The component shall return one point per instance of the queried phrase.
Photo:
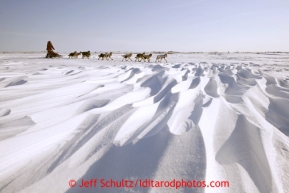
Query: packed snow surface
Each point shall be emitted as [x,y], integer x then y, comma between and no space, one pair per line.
[196,117]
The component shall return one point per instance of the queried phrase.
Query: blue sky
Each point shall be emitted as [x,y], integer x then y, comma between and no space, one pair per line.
[151,25]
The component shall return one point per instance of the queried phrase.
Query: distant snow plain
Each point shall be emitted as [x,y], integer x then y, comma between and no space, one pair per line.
[196,117]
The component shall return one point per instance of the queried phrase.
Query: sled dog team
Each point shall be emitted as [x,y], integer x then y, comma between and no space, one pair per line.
[144,57]
[75,54]
[139,57]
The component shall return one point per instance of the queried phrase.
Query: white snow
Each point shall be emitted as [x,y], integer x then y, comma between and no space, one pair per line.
[197,117]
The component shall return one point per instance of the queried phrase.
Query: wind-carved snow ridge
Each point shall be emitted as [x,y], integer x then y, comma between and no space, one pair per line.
[198,117]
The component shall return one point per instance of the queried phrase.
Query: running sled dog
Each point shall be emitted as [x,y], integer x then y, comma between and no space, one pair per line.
[85,54]
[107,56]
[74,54]
[146,57]
[127,57]
[139,56]
[160,57]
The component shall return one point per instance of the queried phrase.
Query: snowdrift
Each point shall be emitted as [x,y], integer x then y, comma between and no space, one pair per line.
[197,117]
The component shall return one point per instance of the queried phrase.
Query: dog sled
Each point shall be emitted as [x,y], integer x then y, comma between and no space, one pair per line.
[53,55]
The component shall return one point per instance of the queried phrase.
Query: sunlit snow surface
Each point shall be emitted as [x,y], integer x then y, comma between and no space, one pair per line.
[195,117]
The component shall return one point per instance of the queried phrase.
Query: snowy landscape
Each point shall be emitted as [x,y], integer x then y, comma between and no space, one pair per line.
[204,117]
